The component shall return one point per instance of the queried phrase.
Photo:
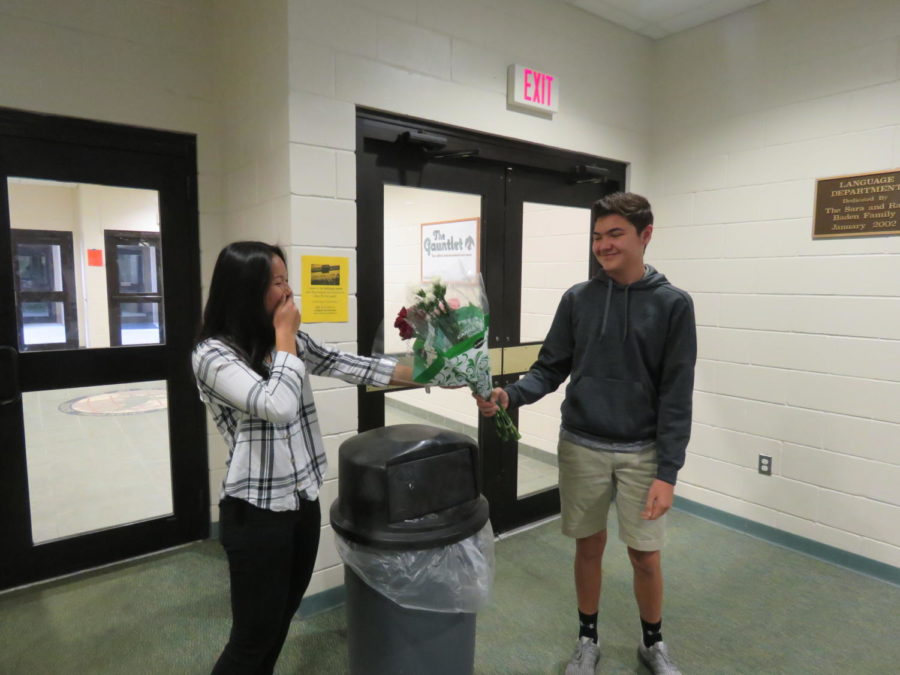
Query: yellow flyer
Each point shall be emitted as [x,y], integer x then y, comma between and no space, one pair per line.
[325,289]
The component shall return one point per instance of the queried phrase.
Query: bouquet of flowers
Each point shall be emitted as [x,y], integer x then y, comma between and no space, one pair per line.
[450,345]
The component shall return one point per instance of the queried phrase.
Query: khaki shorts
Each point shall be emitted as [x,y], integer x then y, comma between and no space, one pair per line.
[590,480]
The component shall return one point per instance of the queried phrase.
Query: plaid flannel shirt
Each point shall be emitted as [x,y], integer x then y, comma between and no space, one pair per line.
[276,451]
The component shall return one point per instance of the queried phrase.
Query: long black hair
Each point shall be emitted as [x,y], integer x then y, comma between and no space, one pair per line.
[235,312]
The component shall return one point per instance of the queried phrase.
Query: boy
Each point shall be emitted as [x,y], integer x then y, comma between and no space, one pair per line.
[628,340]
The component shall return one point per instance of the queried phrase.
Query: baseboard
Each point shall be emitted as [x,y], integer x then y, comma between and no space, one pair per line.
[831,554]
[312,604]
[322,602]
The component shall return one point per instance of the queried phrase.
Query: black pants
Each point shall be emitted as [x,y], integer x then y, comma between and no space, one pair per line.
[271,555]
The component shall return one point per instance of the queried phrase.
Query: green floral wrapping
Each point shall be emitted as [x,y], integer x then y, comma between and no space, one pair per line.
[451,347]
[454,352]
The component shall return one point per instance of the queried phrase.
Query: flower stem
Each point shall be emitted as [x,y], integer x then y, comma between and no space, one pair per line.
[505,427]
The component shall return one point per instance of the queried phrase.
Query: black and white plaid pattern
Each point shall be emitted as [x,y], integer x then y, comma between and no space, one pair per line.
[276,452]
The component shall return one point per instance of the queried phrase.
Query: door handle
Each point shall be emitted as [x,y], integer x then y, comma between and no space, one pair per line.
[9,384]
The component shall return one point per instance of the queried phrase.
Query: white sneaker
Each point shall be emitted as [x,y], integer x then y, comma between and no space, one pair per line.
[657,659]
[584,658]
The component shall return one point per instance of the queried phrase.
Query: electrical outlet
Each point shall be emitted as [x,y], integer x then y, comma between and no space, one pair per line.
[765,465]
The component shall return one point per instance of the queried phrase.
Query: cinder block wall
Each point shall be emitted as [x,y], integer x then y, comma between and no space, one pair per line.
[134,62]
[799,339]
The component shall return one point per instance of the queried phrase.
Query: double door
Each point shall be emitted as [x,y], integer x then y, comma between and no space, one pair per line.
[527,210]
[102,436]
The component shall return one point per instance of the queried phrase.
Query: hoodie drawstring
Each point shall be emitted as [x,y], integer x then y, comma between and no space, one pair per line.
[606,308]
[609,288]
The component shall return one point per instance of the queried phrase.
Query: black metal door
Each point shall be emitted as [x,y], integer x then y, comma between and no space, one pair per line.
[504,181]
[102,447]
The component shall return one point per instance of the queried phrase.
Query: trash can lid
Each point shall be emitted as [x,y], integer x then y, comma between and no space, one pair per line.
[408,486]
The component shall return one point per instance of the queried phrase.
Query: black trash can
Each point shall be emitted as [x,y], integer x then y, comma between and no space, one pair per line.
[409,497]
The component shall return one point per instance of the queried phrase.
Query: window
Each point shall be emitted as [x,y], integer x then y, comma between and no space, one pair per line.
[46,313]
[134,288]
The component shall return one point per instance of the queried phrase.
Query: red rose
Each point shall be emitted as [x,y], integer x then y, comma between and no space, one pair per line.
[406,329]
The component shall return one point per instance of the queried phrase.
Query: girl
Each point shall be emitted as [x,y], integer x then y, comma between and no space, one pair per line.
[252,365]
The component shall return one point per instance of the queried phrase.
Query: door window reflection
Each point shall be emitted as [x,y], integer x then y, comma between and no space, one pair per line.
[88,265]
[555,256]
[45,289]
[405,210]
[139,323]
[137,266]
[39,266]
[134,288]
[43,323]
[98,457]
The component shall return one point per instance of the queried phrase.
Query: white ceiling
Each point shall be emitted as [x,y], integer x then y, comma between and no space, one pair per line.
[658,18]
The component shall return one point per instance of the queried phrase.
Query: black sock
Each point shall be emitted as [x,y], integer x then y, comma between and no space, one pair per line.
[652,632]
[588,627]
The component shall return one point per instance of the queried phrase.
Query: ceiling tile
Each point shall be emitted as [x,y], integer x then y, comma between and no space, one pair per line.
[658,18]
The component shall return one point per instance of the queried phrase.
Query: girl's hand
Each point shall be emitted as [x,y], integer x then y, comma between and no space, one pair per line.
[286,321]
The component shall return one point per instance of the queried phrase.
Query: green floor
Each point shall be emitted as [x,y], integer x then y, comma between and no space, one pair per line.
[734,604]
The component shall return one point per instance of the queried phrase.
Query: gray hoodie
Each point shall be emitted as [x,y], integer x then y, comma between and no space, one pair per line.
[630,351]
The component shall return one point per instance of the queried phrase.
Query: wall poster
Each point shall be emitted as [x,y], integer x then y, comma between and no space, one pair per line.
[325,284]
[450,249]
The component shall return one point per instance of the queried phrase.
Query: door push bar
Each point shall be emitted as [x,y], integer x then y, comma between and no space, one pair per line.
[9,381]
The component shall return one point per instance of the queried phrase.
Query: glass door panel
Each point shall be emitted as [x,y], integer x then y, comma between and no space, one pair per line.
[95,279]
[139,323]
[43,324]
[46,310]
[406,209]
[555,245]
[98,457]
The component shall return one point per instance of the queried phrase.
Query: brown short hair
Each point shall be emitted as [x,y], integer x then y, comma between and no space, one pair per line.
[632,207]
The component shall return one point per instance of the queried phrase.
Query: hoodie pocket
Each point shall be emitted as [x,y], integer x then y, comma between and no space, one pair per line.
[615,409]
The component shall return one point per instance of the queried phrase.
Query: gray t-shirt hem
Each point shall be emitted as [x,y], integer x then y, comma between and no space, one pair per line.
[606,445]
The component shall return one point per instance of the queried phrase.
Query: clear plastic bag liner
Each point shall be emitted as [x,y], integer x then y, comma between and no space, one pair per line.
[453,578]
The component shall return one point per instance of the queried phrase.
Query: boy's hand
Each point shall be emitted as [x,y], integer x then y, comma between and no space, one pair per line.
[659,499]
[489,407]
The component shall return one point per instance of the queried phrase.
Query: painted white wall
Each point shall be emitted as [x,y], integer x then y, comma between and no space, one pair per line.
[140,62]
[799,340]
[247,48]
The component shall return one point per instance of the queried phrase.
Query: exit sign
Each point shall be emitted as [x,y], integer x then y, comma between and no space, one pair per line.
[532,89]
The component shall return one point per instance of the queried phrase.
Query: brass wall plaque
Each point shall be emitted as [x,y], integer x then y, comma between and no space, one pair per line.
[857,206]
